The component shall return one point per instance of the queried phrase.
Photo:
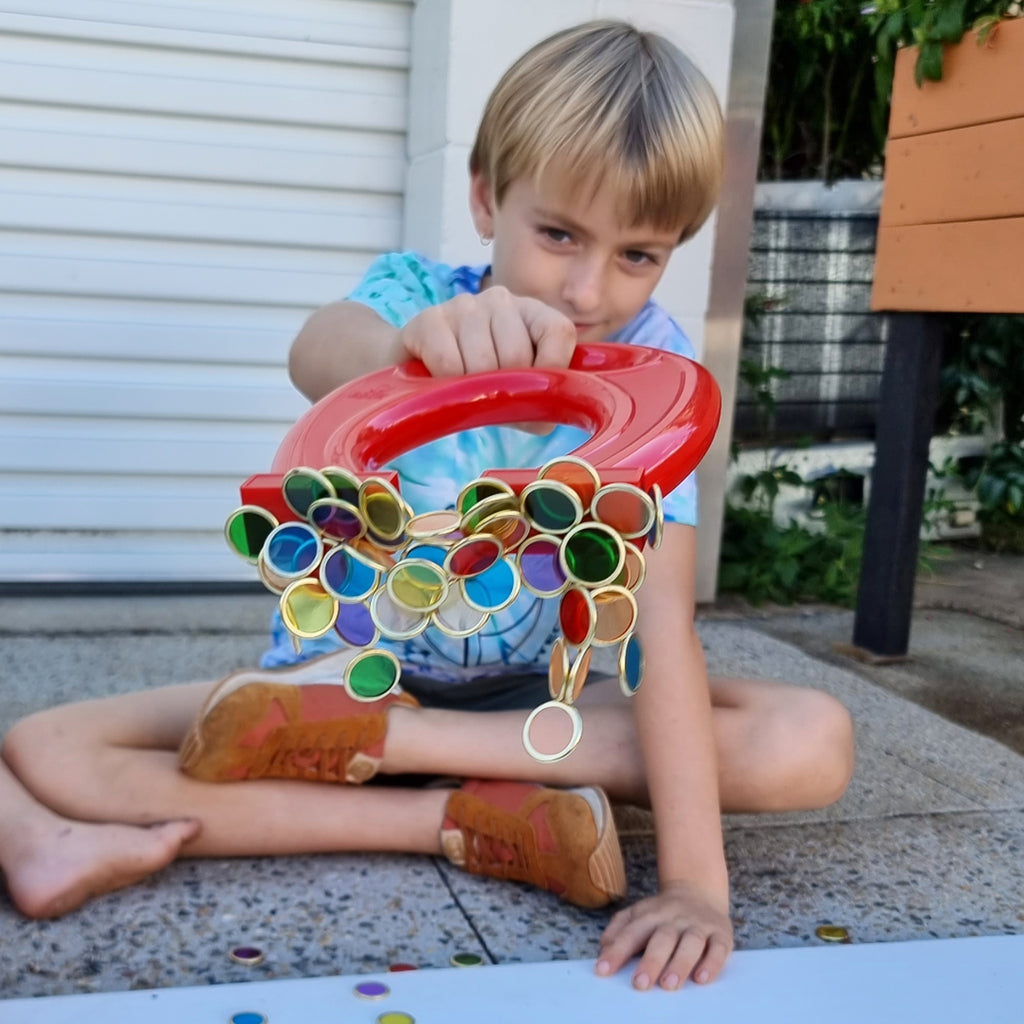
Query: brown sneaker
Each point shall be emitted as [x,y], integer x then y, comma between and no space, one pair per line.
[563,840]
[288,724]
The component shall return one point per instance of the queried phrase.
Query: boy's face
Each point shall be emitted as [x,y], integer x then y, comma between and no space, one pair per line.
[570,247]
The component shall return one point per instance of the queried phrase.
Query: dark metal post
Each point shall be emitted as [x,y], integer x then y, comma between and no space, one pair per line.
[910,384]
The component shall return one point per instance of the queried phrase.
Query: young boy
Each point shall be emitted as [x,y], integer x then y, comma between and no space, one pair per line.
[598,153]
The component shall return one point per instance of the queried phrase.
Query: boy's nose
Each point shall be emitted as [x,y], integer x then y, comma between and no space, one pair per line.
[583,287]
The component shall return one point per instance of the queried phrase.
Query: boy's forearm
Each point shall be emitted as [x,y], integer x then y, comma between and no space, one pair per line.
[674,725]
[338,343]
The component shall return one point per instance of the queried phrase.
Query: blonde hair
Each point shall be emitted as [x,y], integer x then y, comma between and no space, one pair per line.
[606,103]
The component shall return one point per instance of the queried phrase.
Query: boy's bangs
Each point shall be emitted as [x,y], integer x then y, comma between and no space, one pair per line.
[664,191]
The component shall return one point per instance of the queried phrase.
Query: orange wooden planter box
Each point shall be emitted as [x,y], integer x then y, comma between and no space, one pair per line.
[951,229]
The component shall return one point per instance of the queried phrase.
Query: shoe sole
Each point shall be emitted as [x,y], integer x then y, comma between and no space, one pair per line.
[606,868]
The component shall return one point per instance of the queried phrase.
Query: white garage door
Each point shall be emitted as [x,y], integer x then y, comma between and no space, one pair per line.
[180,185]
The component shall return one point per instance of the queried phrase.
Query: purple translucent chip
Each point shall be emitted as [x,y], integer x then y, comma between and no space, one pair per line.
[371,990]
[355,625]
[538,564]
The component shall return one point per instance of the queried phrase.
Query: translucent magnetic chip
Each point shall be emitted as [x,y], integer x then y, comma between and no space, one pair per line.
[307,610]
[302,486]
[371,675]
[626,509]
[545,743]
[247,530]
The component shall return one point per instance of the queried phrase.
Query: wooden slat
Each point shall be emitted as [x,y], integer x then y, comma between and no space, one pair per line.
[972,173]
[967,94]
[962,267]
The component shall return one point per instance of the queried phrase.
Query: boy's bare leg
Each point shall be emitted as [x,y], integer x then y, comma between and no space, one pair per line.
[115,760]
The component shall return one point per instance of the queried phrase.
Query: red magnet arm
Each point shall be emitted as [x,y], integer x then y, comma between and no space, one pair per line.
[652,415]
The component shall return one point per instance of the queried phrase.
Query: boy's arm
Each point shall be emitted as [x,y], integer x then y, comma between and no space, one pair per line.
[685,928]
[338,343]
[468,333]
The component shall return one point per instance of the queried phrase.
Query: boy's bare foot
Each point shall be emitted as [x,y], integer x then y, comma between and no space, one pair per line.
[54,866]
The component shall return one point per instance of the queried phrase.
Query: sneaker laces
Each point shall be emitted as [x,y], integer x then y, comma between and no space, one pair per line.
[496,843]
[316,751]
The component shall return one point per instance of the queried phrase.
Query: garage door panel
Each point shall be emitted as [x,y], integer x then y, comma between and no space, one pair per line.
[360,24]
[107,502]
[69,387]
[171,332]
[63,451]
[164,147]
[143,209]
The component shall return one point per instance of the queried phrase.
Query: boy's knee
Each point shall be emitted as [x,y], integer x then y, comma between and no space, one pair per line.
[827,729]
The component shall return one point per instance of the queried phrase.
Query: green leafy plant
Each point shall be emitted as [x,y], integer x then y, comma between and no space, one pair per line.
[983,387]
[821,115]
[931,26]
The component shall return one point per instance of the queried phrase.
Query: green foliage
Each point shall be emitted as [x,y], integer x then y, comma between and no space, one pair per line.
[767,562]
[830,74]
[983,381]
[821,116]
[931,25]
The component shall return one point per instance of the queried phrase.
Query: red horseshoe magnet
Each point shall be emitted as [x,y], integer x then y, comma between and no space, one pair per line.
[652,416]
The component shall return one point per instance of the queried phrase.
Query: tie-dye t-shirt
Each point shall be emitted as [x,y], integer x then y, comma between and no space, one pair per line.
[518,639]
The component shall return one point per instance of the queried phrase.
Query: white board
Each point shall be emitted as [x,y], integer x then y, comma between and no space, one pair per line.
[947,981]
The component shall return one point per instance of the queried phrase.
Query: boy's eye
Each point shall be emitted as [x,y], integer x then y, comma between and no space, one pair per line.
[638,258]
[556,234]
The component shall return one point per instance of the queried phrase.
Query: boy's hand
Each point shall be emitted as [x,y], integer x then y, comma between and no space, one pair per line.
[490,331]
[679,932]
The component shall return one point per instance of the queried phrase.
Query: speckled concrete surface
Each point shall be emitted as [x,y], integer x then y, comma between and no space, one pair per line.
[927,842]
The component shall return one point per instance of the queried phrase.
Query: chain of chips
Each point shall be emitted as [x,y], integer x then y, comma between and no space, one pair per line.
[357,561]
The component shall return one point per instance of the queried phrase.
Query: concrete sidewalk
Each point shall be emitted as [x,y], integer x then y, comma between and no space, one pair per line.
[928,841]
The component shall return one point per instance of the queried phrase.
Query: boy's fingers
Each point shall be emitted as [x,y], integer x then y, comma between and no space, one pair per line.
[662,946]
[553,335]
[431,340]
[626,944]
[687,954]
[476,341]
[511,339]
[711,965]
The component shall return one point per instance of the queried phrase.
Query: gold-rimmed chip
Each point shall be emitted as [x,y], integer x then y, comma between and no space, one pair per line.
[569,746]
[457,618]
[473,516]
[540,566]
[578,672]
[302,485]
[478,490]
[634,567]
[307,609]
[417,585]
[344,482]
[625,508]
[509,526]
[394,622]
[592,554]
[575,473]
[550,506]
[616,614]
[577,616]
[384,510]
[558,668]
[433,525]
[247,529]
[631,665]
[658,530]
[494,589]
[337,519]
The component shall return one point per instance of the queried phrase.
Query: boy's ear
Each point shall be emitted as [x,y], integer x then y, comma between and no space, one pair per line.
[481,204]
